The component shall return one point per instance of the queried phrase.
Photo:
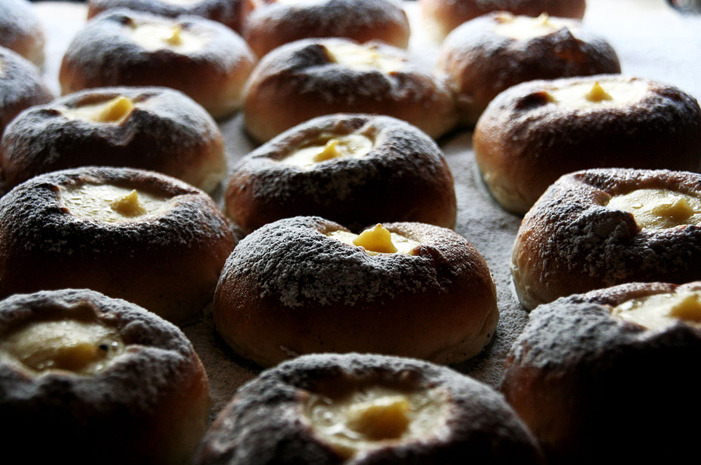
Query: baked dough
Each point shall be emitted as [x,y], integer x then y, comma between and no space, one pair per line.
[21,30]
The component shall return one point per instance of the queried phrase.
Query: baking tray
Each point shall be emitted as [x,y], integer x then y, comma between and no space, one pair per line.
[652,41]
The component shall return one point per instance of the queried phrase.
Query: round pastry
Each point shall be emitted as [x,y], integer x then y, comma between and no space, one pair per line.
[21,31]
[97,380]
[535,132]
[366,409]
[598,228]
[606,373]
[277,22]
[153,128]
[353,169]
[487,55]
[133,234]
[231,13]
[21,86]
[306,285]
[205,60]
[314,77]
[442,16]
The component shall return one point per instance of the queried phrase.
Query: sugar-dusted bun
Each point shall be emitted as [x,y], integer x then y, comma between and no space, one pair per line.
[201,58]
[358,409]
[537,131]
[21,86]
[301,285]
[314,77]
[350,168]
[88,379]
[598,228]
[276,22]
[487,55]
[152,128]
[603,373]
[133,234]
[231,13]
[21,30]
[442,16]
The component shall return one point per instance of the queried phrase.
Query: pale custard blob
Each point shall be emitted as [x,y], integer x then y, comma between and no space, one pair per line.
[81,347]
[330,148]
[2,68]
[659,208]
[112,204]
[612,93]
[519,27]
[375,416]
[659,311]
[154,36]
[377,240]
[115,110]
[363,58]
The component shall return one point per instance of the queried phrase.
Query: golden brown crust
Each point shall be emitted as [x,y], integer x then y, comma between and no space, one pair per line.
[404,178]
[231,13]
[524,142]
[167,263]
[442,16]
[21,31]
[289,289]
[150,406]
[480,63]
[570,242]
[272,24]
[21,86]
[263,424]
[299,81]
[165,132]
[589,385]
[104,54]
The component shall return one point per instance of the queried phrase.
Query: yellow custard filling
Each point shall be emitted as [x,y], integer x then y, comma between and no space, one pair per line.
[659,208]
[330,148]
[661,310]
[81,347]
[112,204]
[375,416]
[377,240]
[583,95]
[519,27]
[166,35]
[115,110]
[363,58]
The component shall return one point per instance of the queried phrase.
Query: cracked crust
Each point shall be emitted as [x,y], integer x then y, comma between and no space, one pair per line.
[154,393]
[589,385]
[168,263]
[404,178]
[569,242]
[299,81]
[166,132]
[263,424]
[523,142]
[272,24]
[289,289]
[103,54]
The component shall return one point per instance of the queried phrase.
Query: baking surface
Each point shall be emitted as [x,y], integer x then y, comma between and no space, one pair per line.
[651,40]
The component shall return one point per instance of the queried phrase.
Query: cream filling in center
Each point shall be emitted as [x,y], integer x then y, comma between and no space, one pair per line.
[115,110]
[172,36]
[70,345]
[519,27]
[661,310]
[659,208]
[330,148]
[589,94]
[363,58]
[112,204]
[374,417]
[377,240]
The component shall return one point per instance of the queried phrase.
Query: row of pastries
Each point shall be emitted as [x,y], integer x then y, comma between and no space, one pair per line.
[328,256]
